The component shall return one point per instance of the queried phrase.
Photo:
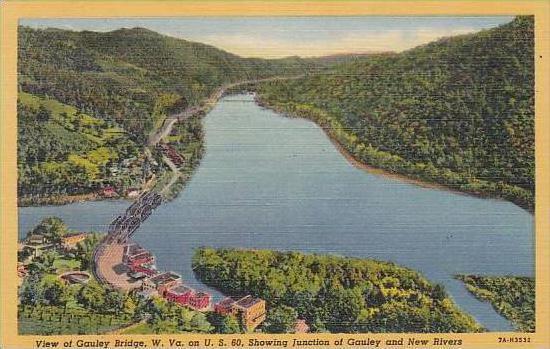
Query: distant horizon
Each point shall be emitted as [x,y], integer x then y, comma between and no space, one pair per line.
[280,37]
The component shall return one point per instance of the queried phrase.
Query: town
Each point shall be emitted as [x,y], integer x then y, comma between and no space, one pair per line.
[139,275]
[170,286]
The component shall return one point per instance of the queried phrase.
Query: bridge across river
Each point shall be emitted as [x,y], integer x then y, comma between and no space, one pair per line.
[108,267]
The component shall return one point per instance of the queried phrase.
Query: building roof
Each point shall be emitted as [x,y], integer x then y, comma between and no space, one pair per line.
[226,302]
[163,278]
[247,302]
[180,290]
[201,294]
[143,254]
[133,250]
[138,275]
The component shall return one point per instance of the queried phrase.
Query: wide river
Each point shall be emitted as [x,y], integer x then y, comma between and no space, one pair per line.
[267,181]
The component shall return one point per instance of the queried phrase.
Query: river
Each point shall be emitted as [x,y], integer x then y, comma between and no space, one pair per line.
[267,181]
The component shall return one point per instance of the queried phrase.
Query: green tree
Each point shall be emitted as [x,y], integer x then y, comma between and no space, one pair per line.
[43,114]
[281,319]
[53,229]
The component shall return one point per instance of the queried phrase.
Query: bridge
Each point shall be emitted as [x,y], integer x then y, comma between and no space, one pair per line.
[108,268]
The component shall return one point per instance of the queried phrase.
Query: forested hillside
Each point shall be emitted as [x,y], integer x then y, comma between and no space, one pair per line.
[121,75]
[512,296]
[62,151]
[77,87]
[335,294]
[459,111]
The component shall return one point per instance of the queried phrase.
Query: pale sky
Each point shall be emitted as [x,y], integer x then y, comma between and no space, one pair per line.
[275,37]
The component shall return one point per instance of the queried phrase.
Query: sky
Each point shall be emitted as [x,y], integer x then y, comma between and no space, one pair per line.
[276,37]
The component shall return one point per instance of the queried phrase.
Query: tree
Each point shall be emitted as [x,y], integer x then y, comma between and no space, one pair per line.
[129,306]
[114,302]
[199,323]
[43,114]
[31,291]
[224,323]
[281,319]
[92,296]
[52,228]
[55,292]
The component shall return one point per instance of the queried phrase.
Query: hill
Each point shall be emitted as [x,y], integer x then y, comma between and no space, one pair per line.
[62,151]
[121,75]
[129,79]
[458,111]
[335,294]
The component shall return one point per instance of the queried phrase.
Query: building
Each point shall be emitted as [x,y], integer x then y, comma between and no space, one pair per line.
[36,239]
[225,307]
[70,240]
[22,270]
[134,255]
[179,294]
[162,282]
[250,310]
[108,192]
[147,293]
[200,301]
[300,326]
[146,269]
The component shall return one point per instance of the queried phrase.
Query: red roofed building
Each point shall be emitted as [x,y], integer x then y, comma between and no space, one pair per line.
[162,282]
[147,269]
[199,301]
[109,192]
[179,294]
[225,307]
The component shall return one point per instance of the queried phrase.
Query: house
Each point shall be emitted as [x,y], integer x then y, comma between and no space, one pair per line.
[200,301]
[22,270]
[300,326]
[252,311]
[108,192]
[69,241]
[146,269]
[162,282]
[134,254]
[225,307]
[132,193]
[36,239]
[179,294]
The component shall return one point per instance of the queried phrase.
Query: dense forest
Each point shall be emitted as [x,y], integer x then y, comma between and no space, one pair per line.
[458,111]
[122,75]
[513,297]
[62,151]
[128,81]
[334,294]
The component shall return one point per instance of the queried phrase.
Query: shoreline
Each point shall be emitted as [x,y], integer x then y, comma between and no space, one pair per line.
[60,200]
[381,172]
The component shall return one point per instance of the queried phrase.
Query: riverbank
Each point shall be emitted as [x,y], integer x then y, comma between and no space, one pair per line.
[58,199]
[377,162]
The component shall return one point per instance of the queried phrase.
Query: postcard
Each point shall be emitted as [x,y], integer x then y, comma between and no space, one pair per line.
[250,174]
